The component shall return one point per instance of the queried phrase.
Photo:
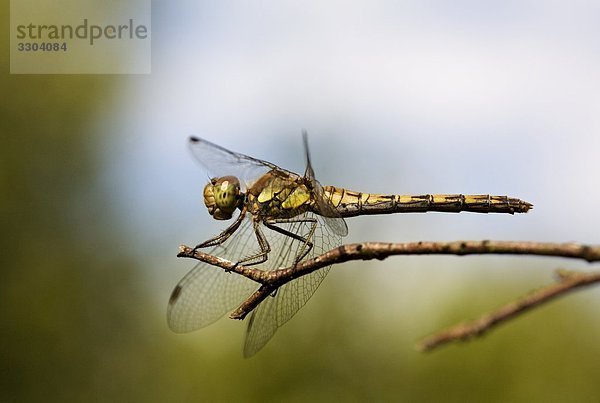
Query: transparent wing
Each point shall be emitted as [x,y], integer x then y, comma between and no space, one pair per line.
[331,216]
[207,292]
[219,161]
[277,310]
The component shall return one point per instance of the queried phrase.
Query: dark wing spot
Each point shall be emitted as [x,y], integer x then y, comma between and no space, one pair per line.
[175,295]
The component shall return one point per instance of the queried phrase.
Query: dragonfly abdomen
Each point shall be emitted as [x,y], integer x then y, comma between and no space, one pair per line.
[350,203]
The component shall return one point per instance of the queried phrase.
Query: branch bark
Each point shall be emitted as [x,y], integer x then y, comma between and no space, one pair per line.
[272,280]
[567,282]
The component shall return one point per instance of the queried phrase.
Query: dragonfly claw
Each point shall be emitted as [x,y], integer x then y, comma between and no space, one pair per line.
[235,266]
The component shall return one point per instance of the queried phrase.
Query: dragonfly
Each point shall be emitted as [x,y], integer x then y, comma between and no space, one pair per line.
[283,218]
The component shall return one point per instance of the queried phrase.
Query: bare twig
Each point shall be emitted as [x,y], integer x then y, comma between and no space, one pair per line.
[567,281]
[272,280]
[381,250]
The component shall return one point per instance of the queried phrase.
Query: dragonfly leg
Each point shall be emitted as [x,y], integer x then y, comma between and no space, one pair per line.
[307,244]
[223,236]
[265,249]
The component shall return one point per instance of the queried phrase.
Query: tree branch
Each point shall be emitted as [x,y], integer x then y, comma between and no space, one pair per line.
[567,281]
[381,250]
[272,280]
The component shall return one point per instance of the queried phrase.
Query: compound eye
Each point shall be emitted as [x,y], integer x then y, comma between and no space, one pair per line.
[209,198]
[222,196]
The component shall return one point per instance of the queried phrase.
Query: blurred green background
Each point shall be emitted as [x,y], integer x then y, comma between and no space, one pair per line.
[88,254]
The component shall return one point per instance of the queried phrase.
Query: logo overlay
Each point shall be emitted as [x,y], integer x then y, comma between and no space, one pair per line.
[80,37]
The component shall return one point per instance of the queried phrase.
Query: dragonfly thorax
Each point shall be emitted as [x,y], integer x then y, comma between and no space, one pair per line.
[222,196]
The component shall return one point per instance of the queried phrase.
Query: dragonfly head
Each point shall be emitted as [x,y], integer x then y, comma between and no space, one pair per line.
[222,196]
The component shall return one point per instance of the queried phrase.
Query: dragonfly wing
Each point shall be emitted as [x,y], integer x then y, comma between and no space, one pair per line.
[276,310]
[332,217]
[207,292]
[219,161]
